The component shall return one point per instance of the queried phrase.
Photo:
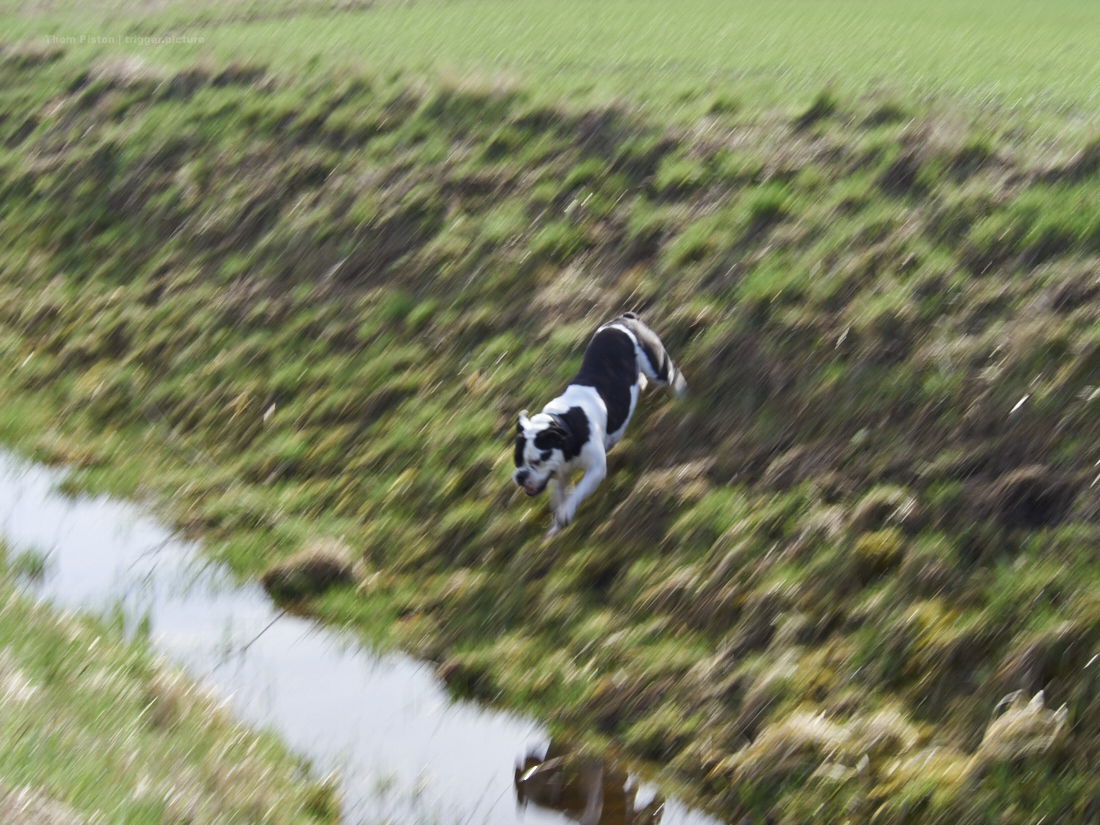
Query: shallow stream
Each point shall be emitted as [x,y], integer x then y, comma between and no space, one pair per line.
[403,750]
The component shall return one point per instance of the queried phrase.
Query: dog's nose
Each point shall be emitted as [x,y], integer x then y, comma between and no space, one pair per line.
[521,477]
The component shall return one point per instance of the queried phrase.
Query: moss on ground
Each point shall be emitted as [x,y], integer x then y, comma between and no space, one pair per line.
[292,311]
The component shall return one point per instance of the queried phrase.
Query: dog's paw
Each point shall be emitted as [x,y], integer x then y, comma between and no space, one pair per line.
[553,531]
[563,515]
[680,386]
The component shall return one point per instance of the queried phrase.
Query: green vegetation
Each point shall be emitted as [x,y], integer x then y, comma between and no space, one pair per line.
[95,729]
[683,56]
[300,309]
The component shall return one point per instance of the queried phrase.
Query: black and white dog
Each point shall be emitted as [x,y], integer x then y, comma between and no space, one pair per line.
[576,429]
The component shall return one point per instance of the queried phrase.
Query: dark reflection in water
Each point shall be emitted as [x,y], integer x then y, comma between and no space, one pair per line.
[583,787]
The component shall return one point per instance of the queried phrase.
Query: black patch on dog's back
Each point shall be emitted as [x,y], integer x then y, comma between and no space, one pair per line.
[650,344]
[611,367]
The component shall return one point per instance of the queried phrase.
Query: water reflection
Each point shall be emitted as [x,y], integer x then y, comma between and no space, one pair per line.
[583,787]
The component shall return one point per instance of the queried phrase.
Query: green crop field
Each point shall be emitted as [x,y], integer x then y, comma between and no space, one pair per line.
[296,281]
[1012,54]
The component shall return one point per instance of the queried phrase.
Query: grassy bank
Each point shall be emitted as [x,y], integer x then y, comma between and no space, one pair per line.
[95,729]
[290,311]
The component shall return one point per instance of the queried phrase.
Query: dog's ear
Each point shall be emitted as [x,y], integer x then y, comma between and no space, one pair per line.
[553,437]
[557,436]
[523,421]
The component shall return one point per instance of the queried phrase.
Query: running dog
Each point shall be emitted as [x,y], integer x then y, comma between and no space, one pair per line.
[575,430]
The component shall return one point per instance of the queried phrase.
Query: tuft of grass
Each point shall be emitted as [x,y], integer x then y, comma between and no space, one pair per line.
[29,565]
[824,106]
[768,203]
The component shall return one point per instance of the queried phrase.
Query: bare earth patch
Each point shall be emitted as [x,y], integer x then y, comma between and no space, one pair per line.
[27,806]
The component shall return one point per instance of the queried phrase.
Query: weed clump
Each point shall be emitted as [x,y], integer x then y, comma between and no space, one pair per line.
[886,507]
[824,105]
[876,553]
[310,572]
[1024,728]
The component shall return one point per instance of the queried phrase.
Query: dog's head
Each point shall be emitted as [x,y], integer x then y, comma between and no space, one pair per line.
[540,451]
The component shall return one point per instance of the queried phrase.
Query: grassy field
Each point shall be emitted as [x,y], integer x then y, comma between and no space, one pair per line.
[288,305]
[95,729]
[672,57]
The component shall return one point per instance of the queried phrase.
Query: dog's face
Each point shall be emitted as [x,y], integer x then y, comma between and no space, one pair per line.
[539,453]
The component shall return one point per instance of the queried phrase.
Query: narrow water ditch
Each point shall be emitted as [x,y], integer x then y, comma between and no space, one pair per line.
[404,751]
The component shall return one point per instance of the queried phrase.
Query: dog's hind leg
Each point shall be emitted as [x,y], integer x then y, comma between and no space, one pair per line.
[667,374]
[654,361]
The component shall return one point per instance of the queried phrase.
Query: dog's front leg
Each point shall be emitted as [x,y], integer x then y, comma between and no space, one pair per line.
[557,496]
[593,475]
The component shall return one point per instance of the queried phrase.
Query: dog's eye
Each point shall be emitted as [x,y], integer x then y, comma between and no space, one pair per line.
[545,455]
